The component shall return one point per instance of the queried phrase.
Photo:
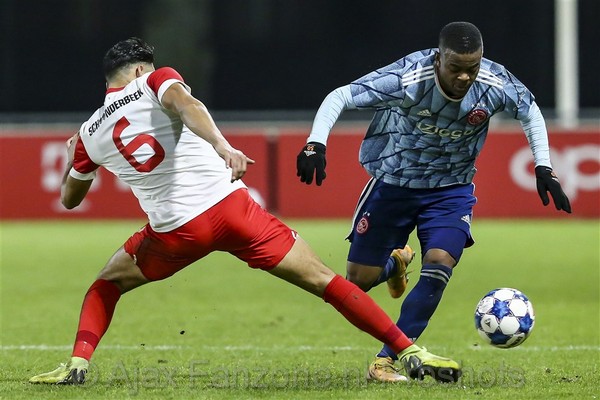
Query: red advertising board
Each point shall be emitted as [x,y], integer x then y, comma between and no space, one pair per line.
[31,169]
[337,196]
[32,162]
[32,165]
[505,181]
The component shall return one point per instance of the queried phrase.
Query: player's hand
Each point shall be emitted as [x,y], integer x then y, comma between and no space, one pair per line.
[311,161]
[546,181]
[234,159]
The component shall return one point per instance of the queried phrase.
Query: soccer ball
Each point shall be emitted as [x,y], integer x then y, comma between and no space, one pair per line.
[504,318]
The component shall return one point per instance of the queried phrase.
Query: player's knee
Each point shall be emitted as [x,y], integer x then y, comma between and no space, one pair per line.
[439,257]
[122,271]
[363,281]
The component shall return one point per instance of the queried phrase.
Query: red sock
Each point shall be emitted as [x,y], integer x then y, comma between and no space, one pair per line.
[96,312]
[358,308]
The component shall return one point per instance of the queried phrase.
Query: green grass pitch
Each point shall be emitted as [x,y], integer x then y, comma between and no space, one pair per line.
[219,330]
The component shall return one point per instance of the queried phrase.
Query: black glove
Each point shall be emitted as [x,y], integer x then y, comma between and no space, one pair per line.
[311,160]
[546,181]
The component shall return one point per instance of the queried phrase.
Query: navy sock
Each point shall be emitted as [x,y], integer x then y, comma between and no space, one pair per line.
[387,271]
[420,304]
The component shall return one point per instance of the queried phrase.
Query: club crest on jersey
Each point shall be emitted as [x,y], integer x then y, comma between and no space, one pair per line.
[362,225]
[477,116]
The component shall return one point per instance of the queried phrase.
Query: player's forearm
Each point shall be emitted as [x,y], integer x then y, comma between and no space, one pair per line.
[537,136]
[66,197]
[330,110]
[73,191]
[197,118]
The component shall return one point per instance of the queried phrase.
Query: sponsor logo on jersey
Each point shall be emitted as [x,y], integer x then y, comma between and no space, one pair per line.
[431,129]
[477,117]
[424,113]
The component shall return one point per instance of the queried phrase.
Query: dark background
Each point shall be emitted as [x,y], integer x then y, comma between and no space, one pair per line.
[268,54]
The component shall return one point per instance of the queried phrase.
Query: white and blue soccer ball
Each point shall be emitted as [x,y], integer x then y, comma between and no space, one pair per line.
[504,317]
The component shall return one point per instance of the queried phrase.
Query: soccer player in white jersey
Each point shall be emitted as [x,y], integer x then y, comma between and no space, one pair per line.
[160,140]
[432,112]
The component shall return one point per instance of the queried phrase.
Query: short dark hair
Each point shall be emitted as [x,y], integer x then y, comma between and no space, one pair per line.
[460,37]
[129,51]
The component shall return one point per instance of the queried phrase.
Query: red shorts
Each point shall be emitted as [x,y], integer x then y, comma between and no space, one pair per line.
[237,224]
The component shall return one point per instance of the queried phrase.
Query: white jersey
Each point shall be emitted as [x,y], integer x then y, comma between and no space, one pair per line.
[175,174]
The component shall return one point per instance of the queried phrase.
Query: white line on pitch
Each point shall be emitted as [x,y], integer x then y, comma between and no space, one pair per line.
[45,347]
[542,348]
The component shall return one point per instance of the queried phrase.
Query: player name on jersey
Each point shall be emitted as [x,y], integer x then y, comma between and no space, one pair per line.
[115,105]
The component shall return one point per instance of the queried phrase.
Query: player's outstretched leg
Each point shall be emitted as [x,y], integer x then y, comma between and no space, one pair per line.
[302,268]
[118,276]
[418,363]
[397,282]
[72,373]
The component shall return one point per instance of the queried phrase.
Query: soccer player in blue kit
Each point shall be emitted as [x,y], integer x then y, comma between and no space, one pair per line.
[432,113]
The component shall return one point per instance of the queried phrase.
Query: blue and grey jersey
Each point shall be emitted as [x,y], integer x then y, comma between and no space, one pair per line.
[421,138]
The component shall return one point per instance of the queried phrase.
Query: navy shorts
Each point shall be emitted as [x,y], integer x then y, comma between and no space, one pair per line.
[386,215]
